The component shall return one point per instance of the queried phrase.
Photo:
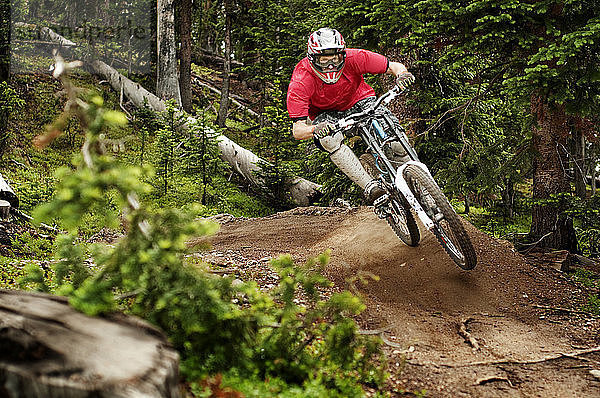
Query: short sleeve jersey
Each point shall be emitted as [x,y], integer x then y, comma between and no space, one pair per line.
[308,95]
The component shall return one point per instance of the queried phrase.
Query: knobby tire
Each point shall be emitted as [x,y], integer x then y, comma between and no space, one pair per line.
[406,228]
[410,235]
[418,180]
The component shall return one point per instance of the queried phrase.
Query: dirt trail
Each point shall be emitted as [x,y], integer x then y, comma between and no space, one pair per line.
[422,300]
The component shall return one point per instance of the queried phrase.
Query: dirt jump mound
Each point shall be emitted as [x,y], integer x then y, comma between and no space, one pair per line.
[496,330]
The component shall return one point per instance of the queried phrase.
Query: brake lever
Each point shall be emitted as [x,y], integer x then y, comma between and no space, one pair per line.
[347,123]
[393,93]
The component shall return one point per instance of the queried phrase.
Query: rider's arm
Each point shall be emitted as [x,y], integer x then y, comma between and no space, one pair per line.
[396,68]
[302,130]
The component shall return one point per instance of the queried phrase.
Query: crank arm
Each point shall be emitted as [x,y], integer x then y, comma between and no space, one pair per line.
[380,204]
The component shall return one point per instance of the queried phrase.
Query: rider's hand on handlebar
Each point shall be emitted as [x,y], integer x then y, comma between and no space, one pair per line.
[404,80]
[322,130]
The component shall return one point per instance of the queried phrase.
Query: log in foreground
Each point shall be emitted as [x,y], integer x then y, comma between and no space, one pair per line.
[48,349]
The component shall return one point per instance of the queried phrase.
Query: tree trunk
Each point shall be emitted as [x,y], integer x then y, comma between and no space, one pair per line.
[224,106]
[4,46]
[242,160]
[167,84]
[135,92]
[594,183]
[7,193]
[208,31]
[508,198]
[579,164]
[48,349]
[185,54]
[549,225]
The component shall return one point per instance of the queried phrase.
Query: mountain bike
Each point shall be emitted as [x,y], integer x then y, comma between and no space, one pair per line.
[409,185]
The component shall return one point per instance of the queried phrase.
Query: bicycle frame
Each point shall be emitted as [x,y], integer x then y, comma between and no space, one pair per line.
[358,119]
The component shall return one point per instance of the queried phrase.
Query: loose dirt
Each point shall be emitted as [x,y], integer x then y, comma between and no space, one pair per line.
[447,332]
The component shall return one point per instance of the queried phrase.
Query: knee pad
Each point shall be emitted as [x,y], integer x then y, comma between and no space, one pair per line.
[331,143]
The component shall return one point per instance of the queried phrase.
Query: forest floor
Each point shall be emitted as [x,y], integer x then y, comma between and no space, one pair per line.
[510,327]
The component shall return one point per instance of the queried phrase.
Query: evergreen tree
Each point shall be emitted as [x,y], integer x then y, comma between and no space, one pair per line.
[279,148]
[5,27]
[202,157]
[543,54]
[168,140]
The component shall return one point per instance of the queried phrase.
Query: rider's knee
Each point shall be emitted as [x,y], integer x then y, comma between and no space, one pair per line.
[331,143]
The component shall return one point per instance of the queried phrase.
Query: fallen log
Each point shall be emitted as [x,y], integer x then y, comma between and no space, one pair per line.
[245,162]
[46,33]
[215,90]
[7,193]
[48,349]
[202,54]
[242,160]
[4,209]
[565,261]
[576,260]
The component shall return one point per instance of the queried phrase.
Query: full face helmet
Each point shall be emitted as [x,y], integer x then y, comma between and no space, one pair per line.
[327,54]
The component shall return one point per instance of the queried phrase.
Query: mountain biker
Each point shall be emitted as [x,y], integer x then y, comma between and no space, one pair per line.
[327,85]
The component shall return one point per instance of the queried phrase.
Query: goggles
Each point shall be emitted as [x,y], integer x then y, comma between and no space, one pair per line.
[330,61]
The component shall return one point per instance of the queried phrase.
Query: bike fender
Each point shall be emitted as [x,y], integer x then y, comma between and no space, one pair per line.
[412,201]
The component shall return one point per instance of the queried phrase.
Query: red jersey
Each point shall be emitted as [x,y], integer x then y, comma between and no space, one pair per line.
[308,95]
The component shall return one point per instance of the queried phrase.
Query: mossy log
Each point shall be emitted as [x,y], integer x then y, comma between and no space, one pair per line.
[50,350]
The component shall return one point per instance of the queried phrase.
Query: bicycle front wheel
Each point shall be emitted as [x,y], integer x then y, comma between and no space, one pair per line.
[449,229]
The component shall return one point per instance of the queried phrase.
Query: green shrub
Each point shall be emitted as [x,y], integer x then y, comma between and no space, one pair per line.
[32,246]
[10,103]
[218,327]
[593,304]
[11,270]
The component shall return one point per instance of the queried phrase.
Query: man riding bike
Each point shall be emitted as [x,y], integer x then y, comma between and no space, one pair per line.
[328,85]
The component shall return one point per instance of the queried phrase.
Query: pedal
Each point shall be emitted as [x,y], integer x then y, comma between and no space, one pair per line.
[383,199]
[380,206]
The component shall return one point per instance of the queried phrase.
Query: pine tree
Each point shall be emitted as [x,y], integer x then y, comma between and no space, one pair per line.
[543,54]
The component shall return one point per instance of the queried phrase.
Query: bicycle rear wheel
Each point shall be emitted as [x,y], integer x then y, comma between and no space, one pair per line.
[402,221]
[449,229]
[397,212]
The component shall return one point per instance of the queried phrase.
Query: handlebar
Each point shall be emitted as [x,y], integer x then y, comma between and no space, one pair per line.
[352,119]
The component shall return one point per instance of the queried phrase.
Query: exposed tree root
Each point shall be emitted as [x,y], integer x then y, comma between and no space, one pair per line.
[381,334]
[462,330]
[545,307]
[571,355]
[485,380]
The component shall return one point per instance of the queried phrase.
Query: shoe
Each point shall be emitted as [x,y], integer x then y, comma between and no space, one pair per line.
[373,191]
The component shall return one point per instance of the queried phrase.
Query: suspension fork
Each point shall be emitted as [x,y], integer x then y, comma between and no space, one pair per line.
[376,150]
[402,186]
[402,138]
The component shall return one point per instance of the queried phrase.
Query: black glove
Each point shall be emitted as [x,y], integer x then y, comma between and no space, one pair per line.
[322,130]
[404,80]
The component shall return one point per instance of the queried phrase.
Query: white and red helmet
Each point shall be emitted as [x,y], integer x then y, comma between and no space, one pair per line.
[328,44]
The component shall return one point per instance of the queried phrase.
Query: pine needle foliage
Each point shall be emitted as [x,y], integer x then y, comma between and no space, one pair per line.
[279,147]
[10,103]
[247,336]
[167,140]
[202,156]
